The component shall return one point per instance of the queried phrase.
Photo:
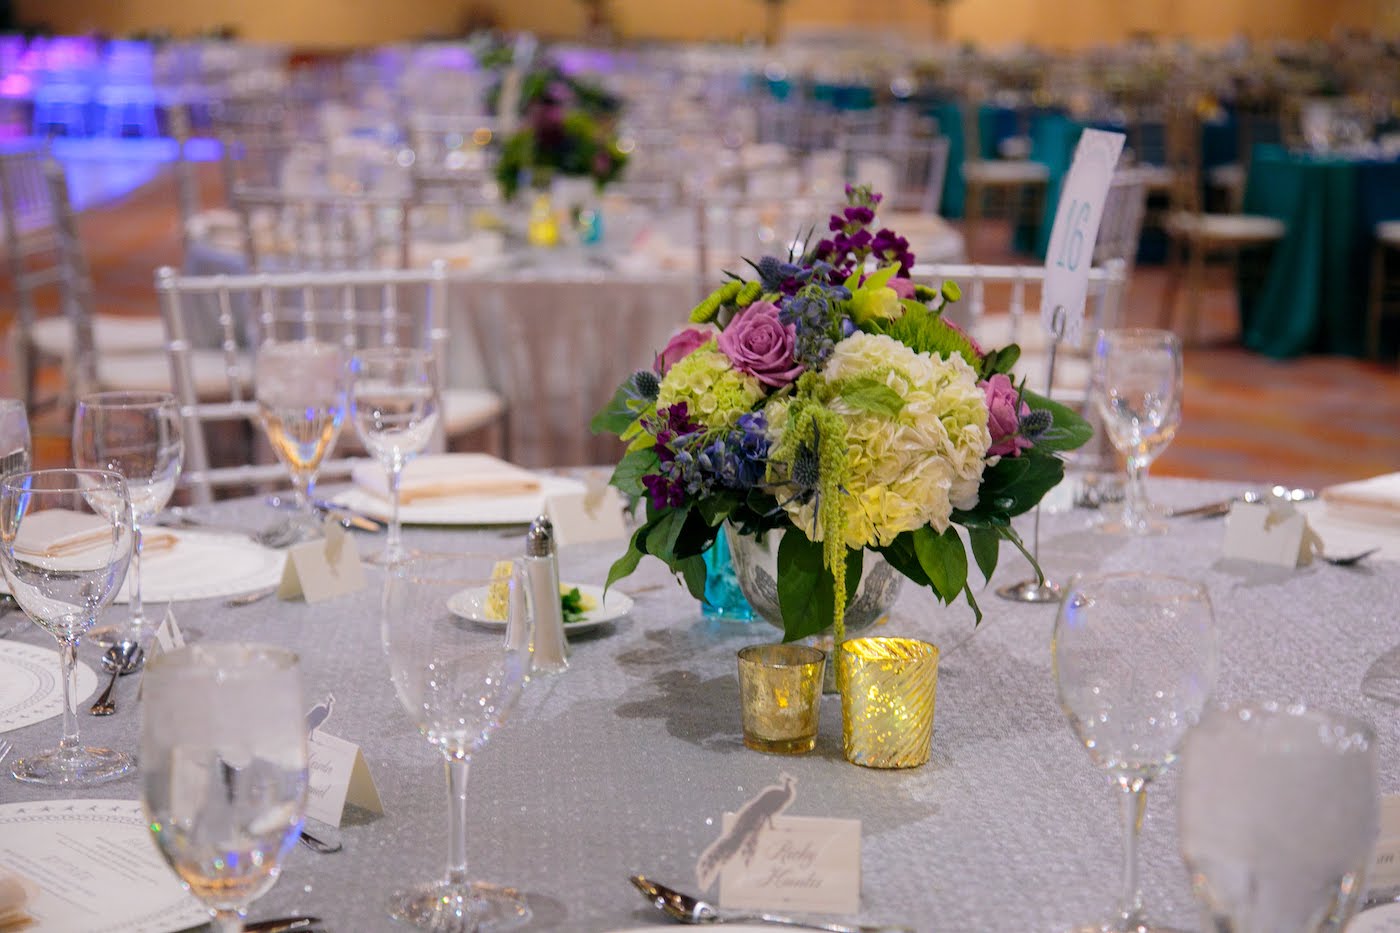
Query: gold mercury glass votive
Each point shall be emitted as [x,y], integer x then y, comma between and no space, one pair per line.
[780,691]
[887,688]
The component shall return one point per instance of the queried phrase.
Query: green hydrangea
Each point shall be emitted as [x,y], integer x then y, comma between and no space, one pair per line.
[715,393]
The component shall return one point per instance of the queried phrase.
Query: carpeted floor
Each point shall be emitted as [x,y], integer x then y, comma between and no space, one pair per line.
[1310,421]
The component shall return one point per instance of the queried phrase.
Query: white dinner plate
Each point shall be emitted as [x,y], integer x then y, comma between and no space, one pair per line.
[30,687]
[1380,919]
[96,867]
[471,605]
[728,928]
[464,510]
[205,565]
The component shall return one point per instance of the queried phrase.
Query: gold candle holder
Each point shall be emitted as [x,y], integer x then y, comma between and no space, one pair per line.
[780,691]
[887,692]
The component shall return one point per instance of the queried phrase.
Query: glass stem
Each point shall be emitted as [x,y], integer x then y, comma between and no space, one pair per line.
[302,485]
[229,921]
[1134,806]
[138,615]
[68,670]
[457,769]
[393,546]
[1135,495]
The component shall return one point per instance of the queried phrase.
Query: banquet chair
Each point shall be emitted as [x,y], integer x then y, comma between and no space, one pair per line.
[45,256]
[285,231]
[908,170]
[1193,235]
[1387,235]
[1124,209]
[224,317]
[728,227]
[1023,181]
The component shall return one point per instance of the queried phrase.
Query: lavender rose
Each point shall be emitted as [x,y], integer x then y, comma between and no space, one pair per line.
[1004,412]
[759,344]
[681,344]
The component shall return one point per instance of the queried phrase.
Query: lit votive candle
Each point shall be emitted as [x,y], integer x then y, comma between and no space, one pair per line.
[780,690]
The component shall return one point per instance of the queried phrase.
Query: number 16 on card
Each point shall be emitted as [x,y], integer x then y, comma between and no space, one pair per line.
[1071,249]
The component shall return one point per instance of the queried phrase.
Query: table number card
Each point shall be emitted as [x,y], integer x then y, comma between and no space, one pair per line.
[338,775]
[1071,251]
[323,569]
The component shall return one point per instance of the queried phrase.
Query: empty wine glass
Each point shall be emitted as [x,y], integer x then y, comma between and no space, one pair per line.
[136,434]
[1137,389]
[16,455]
[300,387]
[1279,810]
[457,684]
[1134,657]
[394,404]
[65,542]
[224,769]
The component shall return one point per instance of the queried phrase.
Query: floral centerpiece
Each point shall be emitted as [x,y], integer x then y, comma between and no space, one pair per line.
[826,395]
[566,128]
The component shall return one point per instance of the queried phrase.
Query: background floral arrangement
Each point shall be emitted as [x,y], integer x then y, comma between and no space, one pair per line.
[566,128]
[832,399]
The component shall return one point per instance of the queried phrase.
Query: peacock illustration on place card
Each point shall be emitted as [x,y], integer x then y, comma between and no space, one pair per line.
[767,860]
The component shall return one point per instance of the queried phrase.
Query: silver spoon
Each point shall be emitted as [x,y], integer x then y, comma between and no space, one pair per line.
[692,910]
[120,659]
[1249,497]
[316,844]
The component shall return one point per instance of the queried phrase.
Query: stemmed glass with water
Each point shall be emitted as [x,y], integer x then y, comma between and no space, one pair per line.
[394,404]
[16,456]
[1137,382]
[458,685]
[136,434]
[224,769]
[1279,813]
[66,538]
[1135,658]
[301,389]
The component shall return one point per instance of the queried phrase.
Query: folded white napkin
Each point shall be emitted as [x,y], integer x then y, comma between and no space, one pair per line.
[448,476]
[15,893]
[58,533]
[1375,500]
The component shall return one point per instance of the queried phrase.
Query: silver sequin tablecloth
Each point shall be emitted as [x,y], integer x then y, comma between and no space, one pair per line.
[625,763]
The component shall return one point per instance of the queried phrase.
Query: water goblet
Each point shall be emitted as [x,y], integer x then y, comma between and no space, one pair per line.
[301,387]
[16,455]
[394,405]
[136,434]
[1134,658]
[224,769]
[1279,813]
[458,685]
[1137,376]
[65,543]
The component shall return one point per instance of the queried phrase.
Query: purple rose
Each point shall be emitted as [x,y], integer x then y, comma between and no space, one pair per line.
[759,344]
[681,345]
[1004,412]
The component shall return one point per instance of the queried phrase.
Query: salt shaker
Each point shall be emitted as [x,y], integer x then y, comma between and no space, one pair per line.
[541,571]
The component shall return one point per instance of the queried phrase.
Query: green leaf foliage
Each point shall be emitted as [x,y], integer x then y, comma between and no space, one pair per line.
[943,560]
[1068,432]
[869,394]
[635,464]
[986,548]
[806,589]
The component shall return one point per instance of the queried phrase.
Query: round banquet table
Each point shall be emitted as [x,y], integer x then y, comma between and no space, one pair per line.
[626,762]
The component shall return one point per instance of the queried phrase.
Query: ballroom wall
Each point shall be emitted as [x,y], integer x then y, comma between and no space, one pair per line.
[1056,23]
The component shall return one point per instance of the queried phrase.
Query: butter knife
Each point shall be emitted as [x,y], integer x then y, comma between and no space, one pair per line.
[281,925]
[348,516]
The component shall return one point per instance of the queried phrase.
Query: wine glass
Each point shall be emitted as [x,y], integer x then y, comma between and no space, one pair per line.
[65,542]
[16,449]
[458,685]
[1137,389]
[136,434]
[1134,657]
[224,769]
[394,405]
[1279,811]
[300,387]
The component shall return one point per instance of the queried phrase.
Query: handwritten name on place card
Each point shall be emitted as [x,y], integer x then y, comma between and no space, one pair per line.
[800,864]
[338,775]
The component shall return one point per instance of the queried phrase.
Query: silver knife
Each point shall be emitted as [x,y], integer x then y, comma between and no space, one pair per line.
[281,925]
[348,516]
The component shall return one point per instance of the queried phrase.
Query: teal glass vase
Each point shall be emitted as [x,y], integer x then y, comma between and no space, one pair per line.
[723,597]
